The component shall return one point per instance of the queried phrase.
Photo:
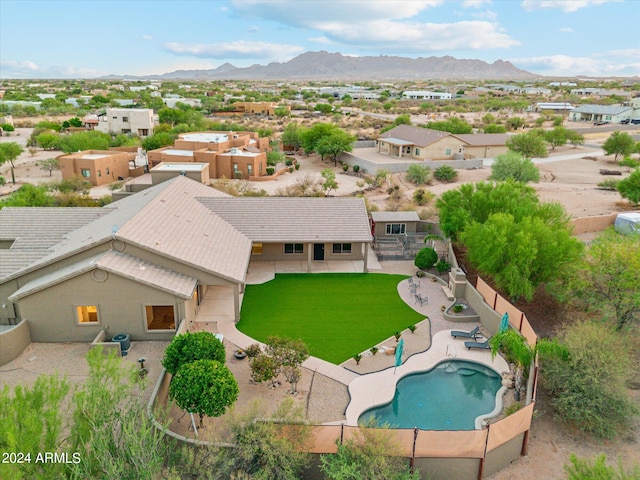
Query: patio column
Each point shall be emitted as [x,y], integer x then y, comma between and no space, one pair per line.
[309,257]
[236,303]
[366,257]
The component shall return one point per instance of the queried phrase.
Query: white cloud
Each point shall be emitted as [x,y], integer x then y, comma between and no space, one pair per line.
[382,25]
[147,37]
[564,65]
[28,69]
[567,30]
[474,3]
[565,5]
[238,49]
[323,40]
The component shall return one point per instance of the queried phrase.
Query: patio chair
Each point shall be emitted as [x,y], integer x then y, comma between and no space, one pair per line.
[475,333]
[479,345]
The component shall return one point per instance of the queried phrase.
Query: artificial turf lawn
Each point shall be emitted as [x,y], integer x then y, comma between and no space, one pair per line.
[336,314]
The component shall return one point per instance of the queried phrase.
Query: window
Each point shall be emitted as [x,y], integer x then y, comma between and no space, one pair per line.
[125,119]
[342,248]
[417,151]
[87,314]
[99,173]
[126,130]
[260,167]
[235,167]
[447,151]
[396,228]
[250,169]
[293,248]
[85,172]
[256,248]
[143,132]
[106,171]
[160,317]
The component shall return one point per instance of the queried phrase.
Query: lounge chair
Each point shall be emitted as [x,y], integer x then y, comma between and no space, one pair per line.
[475,333]
[480,345]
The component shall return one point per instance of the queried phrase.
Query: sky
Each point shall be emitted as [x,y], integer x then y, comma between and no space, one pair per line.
[86,39]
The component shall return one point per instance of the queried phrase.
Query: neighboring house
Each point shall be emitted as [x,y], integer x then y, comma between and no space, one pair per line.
[259,108]
[228,154]
[551,107]
[134,121]
[393,224]
[171,102]
[97,166]
[426,95]
[407,141]
[417,143]
[143,264]
[606,113]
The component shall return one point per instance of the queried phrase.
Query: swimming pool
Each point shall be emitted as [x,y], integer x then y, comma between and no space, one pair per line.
[448,397]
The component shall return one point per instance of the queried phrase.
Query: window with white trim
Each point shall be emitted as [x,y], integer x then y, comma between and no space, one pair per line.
[342,248]
[85,172]
[396,228]
[293,248]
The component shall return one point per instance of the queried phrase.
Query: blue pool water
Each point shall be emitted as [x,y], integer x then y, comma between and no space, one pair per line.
[448,397]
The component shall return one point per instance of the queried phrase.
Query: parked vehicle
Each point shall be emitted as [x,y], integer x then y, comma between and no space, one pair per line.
[600,122]
[625,121]
[635,121]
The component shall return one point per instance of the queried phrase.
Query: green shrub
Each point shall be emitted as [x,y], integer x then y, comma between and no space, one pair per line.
[419,174]
[443,266]
[189,347]
[422,196]
[271,170]
[7,127]
[445,173]
[3,181]
[288,162]
[426,258]
[420,274]
[356,168]
[297,166]
[345,167]
[598,470]
[609,184]
[457,308]
[374,350]
[412,328]
[357,357]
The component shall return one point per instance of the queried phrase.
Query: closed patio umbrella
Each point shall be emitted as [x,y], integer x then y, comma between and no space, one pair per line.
[504,323]
[399,349]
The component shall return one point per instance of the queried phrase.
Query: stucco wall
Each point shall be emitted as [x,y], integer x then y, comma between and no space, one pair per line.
[120,302]
[397,165]
[275,252]
[380,229]
[13,342]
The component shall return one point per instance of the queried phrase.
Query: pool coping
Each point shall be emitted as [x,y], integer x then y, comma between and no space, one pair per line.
[378,388]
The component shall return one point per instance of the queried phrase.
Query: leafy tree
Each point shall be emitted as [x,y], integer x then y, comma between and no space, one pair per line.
[515,123]
[274,157]
[514,166]
[111,430]
[629,187]
[77,142]
[528,144]
[588,387]
[581,469]
[311,136]
[28,196]
[192,346]
[619,144]
[124,140]
[335,144]
[281,112]
[381,176]
[31,421]
[324,108]
[49,165]
[574,138]
[329,180]
[493,128]
[48,125]
[419,174]
[369,455]
[262,449]
[607,279]
[158,140]
[292,135]
[205,387]
[556,137]
[48,141]
[426,258]
[9,151]
[520,255]
[289,355]
[264,369]
[453,125]
[445,173]
[629,162]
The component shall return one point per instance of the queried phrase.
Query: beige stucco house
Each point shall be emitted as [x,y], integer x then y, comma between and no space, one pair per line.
[417,143]
[97,166]
[143,264]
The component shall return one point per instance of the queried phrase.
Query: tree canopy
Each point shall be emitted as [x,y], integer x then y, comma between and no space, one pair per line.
[191,346]
[529,145]
[619,144]
[629,187]
[512,165]
[453,125]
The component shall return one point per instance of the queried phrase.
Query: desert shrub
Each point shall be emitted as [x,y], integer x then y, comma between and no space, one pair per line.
[7,127]
[288,162]
[609,184]
[598,470]
[445,173]
[345,168]
[3,181]
[271,170]
[356,168]
[420,274]
[426,258]
[422,196]
[297,166]
[588,387]
[418,174]
[515,166]
[443,266]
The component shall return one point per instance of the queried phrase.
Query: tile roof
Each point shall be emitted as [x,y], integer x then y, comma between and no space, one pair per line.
[483,139]
[293,219]
[176,225]
[119,264]
[395,216]
[417,135]
[602,109]
[36,230]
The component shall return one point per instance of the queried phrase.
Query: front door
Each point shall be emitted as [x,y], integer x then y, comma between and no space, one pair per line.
[318,251]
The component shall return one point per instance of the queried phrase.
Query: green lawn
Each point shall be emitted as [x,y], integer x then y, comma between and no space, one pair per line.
[337,315]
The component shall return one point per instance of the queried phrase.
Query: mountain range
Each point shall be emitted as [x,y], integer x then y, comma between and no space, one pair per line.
[335,66]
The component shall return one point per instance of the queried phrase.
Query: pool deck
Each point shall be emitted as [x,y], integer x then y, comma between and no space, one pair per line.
[378,388]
